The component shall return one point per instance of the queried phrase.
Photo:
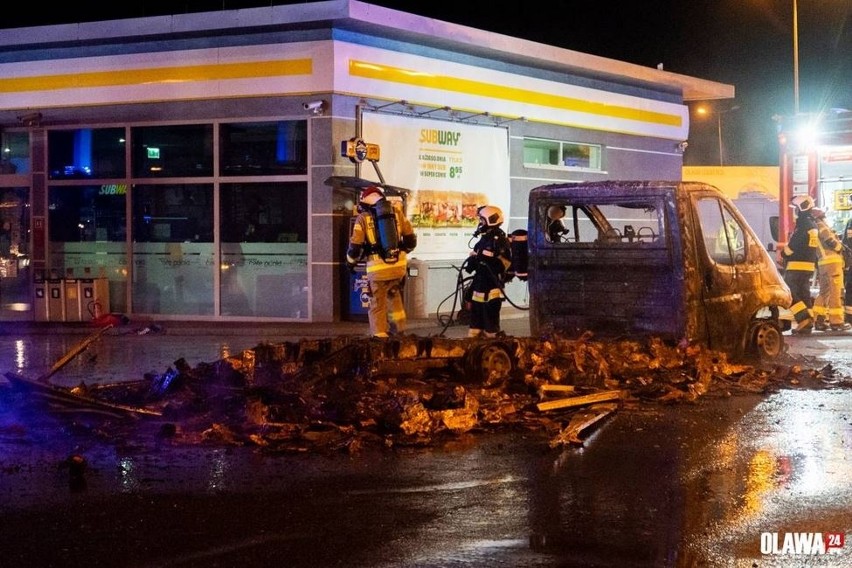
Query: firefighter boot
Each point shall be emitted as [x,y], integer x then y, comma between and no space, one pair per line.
[820,324]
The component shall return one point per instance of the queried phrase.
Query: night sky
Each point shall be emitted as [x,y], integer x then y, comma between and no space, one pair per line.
[745,43]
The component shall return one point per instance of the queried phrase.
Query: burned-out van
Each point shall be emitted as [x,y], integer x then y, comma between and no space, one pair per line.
[670,259]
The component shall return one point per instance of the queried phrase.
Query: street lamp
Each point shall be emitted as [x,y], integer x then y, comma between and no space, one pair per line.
[796,56]
[705,111]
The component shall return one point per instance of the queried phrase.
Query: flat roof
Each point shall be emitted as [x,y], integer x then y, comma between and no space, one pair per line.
[369,19]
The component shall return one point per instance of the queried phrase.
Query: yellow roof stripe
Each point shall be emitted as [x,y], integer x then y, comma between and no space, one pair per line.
[157,75]
[399,75]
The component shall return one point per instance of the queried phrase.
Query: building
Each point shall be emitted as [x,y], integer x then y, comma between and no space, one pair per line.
[182,160]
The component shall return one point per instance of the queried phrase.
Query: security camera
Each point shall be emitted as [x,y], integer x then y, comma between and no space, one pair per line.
[315,106]
[31,119]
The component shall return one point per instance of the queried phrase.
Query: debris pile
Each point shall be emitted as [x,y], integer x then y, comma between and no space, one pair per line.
[349,393]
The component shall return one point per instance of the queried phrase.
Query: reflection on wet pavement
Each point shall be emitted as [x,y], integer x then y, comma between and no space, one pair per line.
[112,358]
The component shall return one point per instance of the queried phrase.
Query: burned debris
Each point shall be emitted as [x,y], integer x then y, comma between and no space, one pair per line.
[347,393]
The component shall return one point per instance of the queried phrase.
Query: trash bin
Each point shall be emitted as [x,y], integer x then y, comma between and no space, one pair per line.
[55,299]
[71,290]
[359,299]
[40,300]
[416,286]
[94,298]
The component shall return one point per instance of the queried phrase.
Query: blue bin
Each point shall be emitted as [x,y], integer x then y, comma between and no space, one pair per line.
[359,300]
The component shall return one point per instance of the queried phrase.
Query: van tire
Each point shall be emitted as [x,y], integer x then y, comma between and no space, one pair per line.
[490,363]
[765,339]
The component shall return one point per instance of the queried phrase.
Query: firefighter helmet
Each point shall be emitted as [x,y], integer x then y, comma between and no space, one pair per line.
[490,216]
[802,202]
[371,195]
[555,212]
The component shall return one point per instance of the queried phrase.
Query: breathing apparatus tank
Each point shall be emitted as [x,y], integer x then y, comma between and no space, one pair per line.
[384,220]
[520,254]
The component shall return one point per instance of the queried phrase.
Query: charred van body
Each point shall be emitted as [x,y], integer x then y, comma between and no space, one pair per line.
[666,258]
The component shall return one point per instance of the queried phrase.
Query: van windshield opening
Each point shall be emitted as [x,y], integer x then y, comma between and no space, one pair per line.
[604,221]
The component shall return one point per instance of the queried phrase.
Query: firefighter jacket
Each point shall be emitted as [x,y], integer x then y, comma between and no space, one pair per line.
[489,262]
[802,249]
[830,246]
[363,246]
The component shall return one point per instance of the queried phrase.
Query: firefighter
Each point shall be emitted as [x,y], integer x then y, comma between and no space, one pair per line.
[728,239]
[555,226]
[385,275]
[489,262]
[828,305]
[800,255]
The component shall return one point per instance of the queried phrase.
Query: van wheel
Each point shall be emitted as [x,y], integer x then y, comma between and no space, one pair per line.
[490,363]
[765,339]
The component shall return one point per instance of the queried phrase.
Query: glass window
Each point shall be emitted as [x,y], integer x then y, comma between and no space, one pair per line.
[173,213]
[87,213]
[264,148]
[172,151]
[264,269]
[86,153]
[173,254]
[87,235]
[540,152]
[537,152]
[724,237]
[15,158]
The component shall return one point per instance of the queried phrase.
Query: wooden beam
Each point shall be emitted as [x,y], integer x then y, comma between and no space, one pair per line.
[73,352]
[581,421]
[555,389]
[602,396]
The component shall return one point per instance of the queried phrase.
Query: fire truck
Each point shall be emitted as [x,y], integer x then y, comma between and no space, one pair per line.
[816,160]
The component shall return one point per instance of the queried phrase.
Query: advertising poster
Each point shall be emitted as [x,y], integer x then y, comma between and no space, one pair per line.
[451,169]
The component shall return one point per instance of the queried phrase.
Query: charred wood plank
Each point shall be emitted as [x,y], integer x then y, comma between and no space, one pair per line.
[582,421]
[58,395]
[73,352]
[602,396]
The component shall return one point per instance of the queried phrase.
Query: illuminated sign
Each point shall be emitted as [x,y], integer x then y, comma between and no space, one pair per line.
[113,189]
[153,153]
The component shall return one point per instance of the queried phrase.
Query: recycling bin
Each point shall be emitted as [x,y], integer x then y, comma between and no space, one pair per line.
[359,297]
[55,299]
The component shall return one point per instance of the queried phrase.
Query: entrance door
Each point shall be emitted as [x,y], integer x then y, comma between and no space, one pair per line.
[15,272]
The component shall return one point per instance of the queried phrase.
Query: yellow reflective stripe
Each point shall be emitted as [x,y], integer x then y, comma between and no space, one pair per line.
[798,307]
[148,75]
[370,228]
[813,238]
[400,75]
[801,265]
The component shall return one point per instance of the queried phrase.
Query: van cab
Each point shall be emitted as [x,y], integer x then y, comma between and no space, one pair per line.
[671,259]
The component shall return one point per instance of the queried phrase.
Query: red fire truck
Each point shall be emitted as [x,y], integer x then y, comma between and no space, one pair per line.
[816,159]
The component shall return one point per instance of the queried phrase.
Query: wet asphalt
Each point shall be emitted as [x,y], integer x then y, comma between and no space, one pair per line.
[713,483]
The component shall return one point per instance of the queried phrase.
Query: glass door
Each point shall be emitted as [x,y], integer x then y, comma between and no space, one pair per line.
[15,272]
